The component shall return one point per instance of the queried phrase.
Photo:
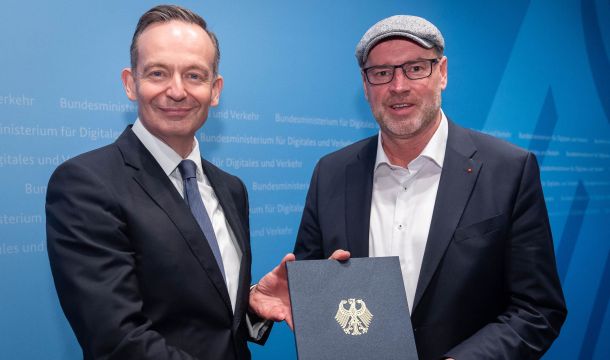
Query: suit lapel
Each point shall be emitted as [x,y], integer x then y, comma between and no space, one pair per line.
[458,176]
[358,195]
[231,214]
[159,187]
[226,202]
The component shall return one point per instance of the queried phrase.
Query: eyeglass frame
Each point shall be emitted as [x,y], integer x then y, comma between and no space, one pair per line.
[401,66]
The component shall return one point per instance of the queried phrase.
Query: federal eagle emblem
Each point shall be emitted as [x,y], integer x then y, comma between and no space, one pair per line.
[356,319]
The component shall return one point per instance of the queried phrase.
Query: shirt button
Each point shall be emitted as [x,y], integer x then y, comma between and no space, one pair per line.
[400,226]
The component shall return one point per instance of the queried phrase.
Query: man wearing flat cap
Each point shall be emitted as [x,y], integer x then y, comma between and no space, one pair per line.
[464,211]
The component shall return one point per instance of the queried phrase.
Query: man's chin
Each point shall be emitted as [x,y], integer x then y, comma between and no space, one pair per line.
[403,128]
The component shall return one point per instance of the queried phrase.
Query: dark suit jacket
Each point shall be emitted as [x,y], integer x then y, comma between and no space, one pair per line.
[488,286]
[134,274]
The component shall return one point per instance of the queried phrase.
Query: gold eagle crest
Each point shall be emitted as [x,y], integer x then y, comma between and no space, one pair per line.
[355,319]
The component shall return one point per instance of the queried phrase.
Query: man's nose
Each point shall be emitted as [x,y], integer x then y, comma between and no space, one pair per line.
[175,88]
[400,82]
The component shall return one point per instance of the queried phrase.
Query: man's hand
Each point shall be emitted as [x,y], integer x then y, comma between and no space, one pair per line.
[340,255]
[269,298]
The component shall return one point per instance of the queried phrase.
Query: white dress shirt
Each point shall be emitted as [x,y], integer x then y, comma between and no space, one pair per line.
[402,205]
[169,160]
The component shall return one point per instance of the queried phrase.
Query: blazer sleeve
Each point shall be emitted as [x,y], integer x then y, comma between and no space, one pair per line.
[536,307]
[259,329]
[93,266]
[308,245]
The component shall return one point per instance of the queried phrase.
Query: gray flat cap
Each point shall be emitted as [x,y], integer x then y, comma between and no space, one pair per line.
[415,28]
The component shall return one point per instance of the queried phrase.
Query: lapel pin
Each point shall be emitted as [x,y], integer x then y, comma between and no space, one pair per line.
[469,170]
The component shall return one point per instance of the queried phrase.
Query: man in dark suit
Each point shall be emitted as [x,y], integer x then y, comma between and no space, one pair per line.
[464,211]
[149,243]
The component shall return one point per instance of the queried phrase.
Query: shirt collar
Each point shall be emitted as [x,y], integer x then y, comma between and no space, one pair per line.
[167,158]
[434,149]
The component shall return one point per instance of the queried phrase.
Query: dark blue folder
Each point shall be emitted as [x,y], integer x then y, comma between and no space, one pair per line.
[350,310]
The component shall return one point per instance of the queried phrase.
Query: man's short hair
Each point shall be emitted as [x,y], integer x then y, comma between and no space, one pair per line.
[166,13]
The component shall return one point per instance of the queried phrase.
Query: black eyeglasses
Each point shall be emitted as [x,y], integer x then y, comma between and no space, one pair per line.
[413,70]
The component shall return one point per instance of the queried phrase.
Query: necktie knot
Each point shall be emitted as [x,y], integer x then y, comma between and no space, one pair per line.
[188,169]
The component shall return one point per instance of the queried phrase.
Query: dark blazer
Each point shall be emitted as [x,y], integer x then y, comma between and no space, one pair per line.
[134,274]
[488,286]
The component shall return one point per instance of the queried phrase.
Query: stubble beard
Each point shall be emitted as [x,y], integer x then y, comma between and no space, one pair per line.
[412,126]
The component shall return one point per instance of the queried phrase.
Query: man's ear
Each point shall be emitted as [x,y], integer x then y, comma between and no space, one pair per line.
[443,66]
[364,85]
[129,83]
[216,90]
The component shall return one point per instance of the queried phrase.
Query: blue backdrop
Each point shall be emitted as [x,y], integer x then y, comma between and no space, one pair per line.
[536,73]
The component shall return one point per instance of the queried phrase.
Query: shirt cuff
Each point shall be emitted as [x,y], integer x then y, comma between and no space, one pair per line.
[257,327]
